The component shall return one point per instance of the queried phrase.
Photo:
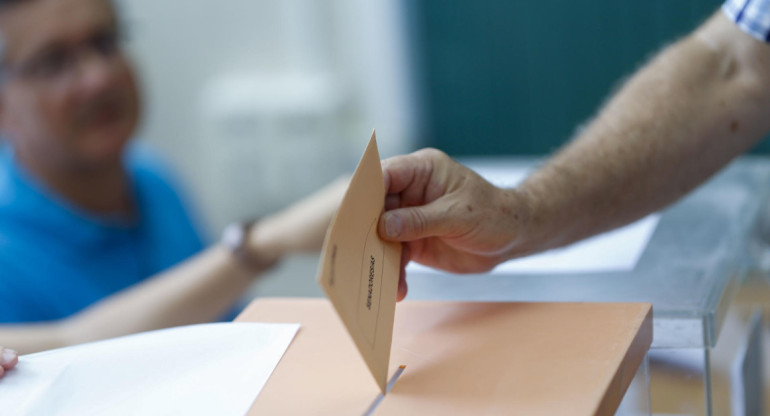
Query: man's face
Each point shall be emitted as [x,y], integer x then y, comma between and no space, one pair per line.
[68,97]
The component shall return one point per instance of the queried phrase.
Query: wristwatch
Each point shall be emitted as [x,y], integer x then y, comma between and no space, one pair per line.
[236,238]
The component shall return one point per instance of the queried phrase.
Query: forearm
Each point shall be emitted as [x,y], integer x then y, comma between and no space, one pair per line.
[28,338]
[302,226]
[200,289]
[696,106]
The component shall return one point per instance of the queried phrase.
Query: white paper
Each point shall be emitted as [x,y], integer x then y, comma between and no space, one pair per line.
[614,251]
[208,369]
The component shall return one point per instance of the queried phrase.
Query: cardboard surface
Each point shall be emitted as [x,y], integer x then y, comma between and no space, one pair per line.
[461,358]
[358,271]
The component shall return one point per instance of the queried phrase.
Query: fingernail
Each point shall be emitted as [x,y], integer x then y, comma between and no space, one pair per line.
[392,226]
[9,355]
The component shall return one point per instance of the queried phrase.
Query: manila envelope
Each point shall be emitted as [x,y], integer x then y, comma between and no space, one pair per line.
[359,271]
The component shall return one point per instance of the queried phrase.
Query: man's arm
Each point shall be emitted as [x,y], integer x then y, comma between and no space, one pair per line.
[200,289]
[697,105]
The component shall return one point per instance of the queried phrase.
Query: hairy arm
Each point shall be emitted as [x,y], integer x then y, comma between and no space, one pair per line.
[200,289]
[697,105]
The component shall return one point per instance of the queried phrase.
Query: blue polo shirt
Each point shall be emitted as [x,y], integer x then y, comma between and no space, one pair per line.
[56,259]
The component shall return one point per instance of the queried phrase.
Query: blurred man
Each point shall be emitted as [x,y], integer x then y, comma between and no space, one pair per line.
[697,105]
[85,217]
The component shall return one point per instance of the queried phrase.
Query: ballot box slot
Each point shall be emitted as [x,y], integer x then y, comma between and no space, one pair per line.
[391,383]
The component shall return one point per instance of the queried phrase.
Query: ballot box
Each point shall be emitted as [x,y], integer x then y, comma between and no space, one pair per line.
[460,358]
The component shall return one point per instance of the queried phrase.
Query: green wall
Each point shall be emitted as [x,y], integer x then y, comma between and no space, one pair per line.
[518,77]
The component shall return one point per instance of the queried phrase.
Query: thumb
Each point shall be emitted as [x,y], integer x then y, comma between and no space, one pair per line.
[414,223]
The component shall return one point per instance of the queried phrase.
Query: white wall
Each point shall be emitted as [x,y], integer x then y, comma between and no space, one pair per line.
[258,102]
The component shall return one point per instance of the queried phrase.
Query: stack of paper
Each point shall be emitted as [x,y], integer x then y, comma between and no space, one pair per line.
[209,369]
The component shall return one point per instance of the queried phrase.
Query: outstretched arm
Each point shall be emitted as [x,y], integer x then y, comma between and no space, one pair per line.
[699,103]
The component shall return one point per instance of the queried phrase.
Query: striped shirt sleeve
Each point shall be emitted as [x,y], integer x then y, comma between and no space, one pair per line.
[753,16]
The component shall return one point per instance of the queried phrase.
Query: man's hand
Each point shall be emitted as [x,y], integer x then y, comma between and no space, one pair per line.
[8,359]
[448,216]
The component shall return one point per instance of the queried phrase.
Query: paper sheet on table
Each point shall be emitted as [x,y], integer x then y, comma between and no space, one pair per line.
[208,369]
[614,251]
[359,271]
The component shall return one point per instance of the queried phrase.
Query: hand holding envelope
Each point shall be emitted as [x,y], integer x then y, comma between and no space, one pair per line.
[448,357]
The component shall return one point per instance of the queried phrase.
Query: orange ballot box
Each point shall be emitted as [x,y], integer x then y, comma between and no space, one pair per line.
[460,358]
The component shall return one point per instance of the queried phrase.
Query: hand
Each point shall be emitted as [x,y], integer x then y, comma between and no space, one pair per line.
[8,359]
[448,216]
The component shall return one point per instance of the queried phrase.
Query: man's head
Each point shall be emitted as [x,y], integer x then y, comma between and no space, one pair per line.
[68,97]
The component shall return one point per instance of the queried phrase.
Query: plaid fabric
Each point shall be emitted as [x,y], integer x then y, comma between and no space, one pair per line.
[753,16]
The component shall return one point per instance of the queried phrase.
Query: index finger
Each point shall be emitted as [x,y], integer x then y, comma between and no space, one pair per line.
[405,171]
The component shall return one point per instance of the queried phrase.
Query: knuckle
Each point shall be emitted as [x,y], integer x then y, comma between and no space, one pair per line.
[432,153]
[420,223]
